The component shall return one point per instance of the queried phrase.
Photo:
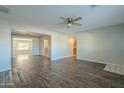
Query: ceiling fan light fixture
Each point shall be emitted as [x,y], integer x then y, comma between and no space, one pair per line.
[69,24]
[71,21]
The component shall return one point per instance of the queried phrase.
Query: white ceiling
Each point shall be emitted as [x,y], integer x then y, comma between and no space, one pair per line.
[47,16]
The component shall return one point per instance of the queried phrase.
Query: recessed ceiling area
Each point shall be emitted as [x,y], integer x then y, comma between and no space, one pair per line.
[47,16]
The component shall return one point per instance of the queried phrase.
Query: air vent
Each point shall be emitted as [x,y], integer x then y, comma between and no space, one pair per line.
[93,6]
[4,9]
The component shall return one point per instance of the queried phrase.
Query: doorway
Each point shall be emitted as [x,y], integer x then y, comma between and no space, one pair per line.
[31,44]
[46,48]
[21,46]
[73,43]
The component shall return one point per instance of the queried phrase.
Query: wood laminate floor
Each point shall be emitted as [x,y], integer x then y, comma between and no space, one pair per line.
[40,72]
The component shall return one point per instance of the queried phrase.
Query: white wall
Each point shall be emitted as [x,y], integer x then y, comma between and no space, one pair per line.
[5,49]
[60,47]
[35,46]
[104,45]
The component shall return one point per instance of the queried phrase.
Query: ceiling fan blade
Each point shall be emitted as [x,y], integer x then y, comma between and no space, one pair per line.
[79,18]
[61,23]
[77,24]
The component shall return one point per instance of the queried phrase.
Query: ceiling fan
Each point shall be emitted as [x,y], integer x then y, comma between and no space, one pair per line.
[70,21]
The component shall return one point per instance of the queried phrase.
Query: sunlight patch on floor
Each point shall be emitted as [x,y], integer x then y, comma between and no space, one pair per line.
[118,69]
[23,57]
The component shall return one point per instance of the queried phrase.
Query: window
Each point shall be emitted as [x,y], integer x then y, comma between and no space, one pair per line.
[23,46]
[22,43]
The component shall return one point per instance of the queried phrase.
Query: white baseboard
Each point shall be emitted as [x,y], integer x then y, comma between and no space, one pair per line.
[61,58]
[98,61]
[95,61]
